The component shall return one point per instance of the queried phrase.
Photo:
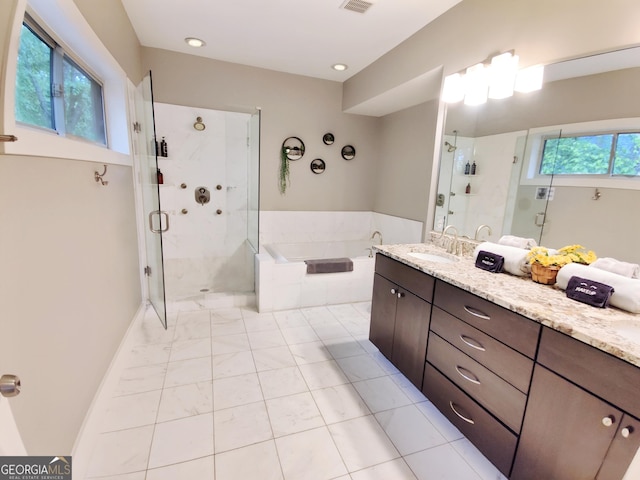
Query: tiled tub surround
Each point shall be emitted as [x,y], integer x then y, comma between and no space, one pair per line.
[204,249]
[544,304]
[285,285]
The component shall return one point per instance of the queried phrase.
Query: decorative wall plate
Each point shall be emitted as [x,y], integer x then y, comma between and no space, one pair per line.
[317,165]
[348,152]
[328,139]
[293,148]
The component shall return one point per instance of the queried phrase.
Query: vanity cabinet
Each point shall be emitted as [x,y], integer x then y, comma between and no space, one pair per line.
[581,420]
[480,358]
[400,314]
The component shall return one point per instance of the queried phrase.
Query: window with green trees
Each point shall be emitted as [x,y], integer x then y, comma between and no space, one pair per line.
[601,154]
[53,91]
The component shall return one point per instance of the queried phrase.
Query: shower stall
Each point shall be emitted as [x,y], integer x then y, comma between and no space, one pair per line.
[208,178]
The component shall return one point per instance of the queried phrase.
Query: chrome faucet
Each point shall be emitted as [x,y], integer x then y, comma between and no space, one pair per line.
[453,246]
[475,237]
[374,236]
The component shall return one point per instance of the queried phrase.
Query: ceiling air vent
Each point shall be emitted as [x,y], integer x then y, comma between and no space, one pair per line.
[359,6]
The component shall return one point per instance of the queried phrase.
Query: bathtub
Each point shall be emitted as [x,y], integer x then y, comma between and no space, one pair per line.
[282,282]
[299,252]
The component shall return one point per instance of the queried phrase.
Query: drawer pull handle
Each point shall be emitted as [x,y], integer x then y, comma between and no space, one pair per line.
[393,291]
[466,419]
[476,313]
[472,343]
[467,375]
[400,294]
[626,431]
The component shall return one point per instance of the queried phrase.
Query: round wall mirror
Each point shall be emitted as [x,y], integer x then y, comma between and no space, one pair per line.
[293,148]
[317,165]
[348,152]
[328,139]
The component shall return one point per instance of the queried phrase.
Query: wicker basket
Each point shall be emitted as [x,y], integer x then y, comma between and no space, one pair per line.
[542,274]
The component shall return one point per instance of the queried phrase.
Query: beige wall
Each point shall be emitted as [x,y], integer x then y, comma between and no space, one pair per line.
[69,282]
[540,32]
[110,22]
[292,105]
[69,288]
[406,153]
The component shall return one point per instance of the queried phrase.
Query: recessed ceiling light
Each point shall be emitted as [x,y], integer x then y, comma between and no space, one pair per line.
[341,67]
[194,42]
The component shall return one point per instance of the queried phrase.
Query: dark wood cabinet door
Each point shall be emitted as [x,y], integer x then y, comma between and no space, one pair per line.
[383,314]
[563,435]
[410,337]
[623,449]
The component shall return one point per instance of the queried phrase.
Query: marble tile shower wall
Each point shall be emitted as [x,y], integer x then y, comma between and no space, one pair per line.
[204,249]
[303,226]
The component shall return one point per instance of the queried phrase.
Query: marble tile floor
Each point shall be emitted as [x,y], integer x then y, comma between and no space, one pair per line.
[231,394]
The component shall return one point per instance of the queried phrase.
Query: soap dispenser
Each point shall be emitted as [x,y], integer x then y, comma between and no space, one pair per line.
[467,168]
[473,168]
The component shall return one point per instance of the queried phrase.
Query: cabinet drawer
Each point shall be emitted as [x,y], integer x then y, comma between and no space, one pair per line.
[606,376]
[512,366]
[406,277]
[493,393]
[510,328]
[494,440]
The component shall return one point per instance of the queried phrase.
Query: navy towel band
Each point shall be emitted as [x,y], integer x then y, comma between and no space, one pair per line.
[587,291]
[492,262]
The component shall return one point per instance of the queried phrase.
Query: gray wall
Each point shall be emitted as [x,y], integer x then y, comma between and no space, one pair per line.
[110,22]
[292,105]
[406,157]
[543,31]
[69,283]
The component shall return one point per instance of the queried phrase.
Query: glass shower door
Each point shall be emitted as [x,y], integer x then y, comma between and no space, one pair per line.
[156,220]
[253,181]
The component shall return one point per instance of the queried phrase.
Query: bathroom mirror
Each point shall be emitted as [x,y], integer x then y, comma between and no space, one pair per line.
[348,152]
[317,166]
[505,137]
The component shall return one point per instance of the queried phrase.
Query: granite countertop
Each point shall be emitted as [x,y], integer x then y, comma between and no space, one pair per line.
[545,304]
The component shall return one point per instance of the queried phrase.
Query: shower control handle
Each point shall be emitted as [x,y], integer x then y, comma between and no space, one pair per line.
[202,195]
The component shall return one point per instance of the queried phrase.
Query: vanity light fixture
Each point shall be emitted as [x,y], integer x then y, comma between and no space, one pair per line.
[529,79]
[195,42]
[453,89]
[476,85]
[502,75]
[340,67]
[497,79]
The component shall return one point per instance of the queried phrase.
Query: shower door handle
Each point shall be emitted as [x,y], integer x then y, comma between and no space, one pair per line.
[159,213]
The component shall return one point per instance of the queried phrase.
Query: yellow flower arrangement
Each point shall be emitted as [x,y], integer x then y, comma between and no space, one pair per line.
[568,254]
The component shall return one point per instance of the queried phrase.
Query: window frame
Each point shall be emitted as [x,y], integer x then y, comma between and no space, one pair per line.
[611,160]
[58,115]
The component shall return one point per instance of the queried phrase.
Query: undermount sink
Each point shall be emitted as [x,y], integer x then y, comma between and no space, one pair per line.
[629,329]
[432,257]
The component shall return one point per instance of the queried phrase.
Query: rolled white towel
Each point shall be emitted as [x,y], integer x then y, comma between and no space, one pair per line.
[515,259]
[626,293]
[631,270]
[520,242]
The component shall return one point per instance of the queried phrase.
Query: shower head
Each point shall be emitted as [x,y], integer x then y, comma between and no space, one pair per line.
[450,148]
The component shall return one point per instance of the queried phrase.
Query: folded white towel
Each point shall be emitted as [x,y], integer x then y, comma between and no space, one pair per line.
[626,293]
[515,259]
[631,270]
[520,242]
